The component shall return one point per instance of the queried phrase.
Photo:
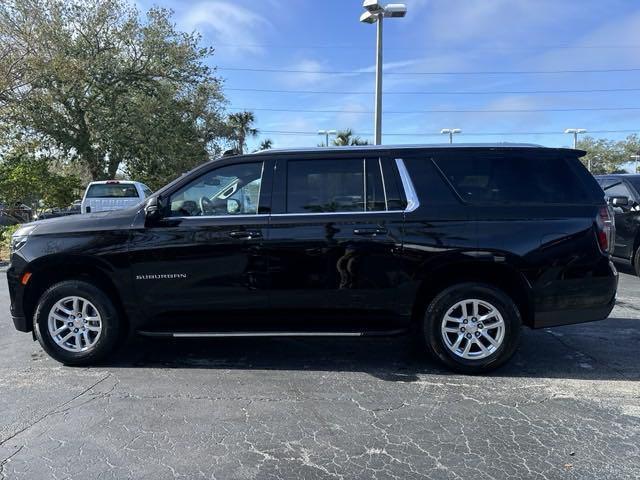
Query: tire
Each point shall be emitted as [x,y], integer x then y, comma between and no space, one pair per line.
[98,317]
[636,261]
[503,326]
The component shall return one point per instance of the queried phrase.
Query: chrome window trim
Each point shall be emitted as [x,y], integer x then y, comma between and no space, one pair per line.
[410,192]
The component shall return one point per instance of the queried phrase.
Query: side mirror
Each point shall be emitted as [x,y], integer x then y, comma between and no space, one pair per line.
[233,206]
[619,201]
[153,210]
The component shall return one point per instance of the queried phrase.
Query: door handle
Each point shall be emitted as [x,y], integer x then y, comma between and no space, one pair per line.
[370,231]
[245,234]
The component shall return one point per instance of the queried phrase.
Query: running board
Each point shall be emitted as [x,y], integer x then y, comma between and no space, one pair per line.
[372,333]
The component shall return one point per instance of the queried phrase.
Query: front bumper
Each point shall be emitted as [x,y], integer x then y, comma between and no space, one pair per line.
[16,295]
[21,323]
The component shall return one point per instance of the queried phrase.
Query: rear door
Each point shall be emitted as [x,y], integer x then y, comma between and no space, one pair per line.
[334,241]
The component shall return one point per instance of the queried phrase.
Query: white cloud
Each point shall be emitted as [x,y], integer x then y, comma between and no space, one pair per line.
[228,23]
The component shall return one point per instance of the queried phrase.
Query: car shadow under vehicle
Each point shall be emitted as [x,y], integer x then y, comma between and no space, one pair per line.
[603,350]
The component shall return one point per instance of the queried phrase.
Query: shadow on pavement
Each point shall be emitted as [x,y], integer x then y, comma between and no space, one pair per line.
[598,351]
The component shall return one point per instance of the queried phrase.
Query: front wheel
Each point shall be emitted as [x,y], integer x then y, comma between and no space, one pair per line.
[472,327]
[76,323]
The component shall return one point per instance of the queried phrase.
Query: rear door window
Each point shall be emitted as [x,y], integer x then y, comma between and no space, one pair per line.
[335,185]
[514,178]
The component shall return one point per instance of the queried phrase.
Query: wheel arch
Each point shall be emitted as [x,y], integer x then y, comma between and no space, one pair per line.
[50,270]
[500,275]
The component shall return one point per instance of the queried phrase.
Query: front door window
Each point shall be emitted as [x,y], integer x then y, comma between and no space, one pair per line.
[229,190]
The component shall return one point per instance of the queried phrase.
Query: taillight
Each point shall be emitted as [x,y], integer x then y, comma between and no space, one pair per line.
[606,229]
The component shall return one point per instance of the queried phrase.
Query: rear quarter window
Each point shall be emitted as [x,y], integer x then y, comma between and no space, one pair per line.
[115,190]
[519,178]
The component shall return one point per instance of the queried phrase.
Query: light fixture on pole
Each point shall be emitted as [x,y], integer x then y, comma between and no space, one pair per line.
[375,12]
[326,134]
[450,132]
[636,158]
[575,132]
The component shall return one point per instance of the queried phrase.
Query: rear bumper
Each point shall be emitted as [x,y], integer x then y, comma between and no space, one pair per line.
[572,316]
[577,300]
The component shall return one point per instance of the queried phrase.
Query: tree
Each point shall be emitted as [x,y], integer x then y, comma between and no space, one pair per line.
[241,127]
[346,137]
[108,88]
[266,144]
[608,156]
[26,177]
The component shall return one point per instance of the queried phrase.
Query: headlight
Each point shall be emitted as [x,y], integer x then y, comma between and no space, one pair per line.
[20,237]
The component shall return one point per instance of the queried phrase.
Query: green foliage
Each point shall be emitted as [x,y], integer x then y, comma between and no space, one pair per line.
[240,127]
[5,240]
[608,156]
[266,144]
[26,177]
[108,88]
[346,137]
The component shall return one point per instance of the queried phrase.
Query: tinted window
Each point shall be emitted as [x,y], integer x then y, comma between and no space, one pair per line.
[230,190]
[618,190]
[514,178]
[112,190]
[325,186]
[428,182]
[393,186]
[375,189]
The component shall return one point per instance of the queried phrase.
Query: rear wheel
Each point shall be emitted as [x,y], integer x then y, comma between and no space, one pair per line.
[76,323]
[472,327]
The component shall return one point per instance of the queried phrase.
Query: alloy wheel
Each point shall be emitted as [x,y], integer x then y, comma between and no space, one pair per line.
[75,324]
[473,329]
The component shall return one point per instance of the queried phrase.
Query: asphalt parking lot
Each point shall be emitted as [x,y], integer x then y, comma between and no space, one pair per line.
[567,406]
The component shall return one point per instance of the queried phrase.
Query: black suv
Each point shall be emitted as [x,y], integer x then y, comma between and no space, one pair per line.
[459,245]
[621,192]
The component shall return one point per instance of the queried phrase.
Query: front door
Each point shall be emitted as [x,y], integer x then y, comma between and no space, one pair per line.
[205,257]
[334,243]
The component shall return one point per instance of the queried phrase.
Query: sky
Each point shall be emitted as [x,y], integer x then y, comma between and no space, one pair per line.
[448,64]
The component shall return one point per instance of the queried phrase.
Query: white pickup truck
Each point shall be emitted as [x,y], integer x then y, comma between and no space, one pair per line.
[113,195]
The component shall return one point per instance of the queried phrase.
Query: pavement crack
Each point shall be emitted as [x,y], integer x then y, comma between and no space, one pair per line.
[3,475]
[56,410]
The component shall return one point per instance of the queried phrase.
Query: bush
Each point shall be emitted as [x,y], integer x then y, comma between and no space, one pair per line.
[5,240]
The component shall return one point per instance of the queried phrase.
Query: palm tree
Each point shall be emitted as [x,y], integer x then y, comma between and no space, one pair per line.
[266,144]
[346,137]
[241,127]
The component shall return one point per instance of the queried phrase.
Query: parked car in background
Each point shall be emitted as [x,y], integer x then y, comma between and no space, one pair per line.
[622,192]
[458,245]
[21,212]
[7,220]
[112,195]
[72,209]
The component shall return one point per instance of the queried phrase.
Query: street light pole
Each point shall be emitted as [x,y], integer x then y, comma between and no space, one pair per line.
[375,13]
[377,129]
[450,132]
[326,134]
[575,132]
